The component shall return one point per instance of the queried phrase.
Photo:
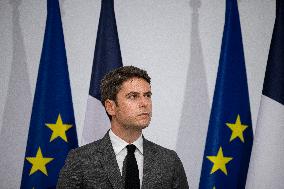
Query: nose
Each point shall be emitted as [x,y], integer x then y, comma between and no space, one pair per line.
[145,101]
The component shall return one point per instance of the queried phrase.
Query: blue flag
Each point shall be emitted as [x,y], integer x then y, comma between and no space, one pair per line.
[229,136]
[52,131]
[266,168]
[106,58]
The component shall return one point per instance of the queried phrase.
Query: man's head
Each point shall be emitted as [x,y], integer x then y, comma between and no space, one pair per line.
[112,82]
[126,95]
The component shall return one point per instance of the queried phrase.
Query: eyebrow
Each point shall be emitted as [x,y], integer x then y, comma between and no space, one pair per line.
[133,92]
[148,93]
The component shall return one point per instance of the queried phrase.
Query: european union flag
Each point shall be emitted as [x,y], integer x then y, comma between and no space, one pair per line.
[52,131]
[229,137]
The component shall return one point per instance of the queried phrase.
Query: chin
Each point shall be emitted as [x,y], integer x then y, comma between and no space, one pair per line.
[140,126]
[143,126]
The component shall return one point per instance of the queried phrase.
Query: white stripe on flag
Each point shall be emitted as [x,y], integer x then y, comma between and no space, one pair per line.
[96,121]
[266,167]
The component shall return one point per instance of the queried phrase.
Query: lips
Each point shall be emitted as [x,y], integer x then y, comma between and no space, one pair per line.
[145,114]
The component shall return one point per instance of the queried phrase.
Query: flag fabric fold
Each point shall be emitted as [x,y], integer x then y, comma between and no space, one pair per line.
[52,131]
[266,168]
[107,57]
[229,136]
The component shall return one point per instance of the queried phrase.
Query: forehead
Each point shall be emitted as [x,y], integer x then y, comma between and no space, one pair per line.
[136,85]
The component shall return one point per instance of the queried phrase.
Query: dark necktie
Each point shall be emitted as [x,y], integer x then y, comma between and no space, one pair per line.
[132,173]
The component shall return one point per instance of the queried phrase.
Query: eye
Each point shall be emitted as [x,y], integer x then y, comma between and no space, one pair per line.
[132,96]
[148,95]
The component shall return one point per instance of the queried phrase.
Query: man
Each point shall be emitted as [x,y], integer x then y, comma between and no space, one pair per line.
[123,158]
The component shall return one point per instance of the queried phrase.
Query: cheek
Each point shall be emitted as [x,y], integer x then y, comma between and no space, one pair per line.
[128,109]
[150,104]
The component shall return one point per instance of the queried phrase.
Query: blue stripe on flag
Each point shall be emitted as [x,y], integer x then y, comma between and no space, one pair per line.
[107,51]
[273,86]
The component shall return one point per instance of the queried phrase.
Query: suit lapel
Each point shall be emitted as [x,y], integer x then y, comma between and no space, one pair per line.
[149,154]
[109,162]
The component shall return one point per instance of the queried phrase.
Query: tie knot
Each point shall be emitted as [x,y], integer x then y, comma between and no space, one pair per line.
[131,148]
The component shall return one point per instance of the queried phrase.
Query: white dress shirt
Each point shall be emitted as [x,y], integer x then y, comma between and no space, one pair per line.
[119,147]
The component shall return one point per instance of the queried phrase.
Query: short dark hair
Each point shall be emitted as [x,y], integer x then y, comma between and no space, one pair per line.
[112,81]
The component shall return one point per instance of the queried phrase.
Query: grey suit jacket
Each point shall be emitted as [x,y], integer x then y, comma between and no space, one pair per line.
[95,166]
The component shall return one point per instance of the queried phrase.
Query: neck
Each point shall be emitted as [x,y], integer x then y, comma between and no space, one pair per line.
[128,135]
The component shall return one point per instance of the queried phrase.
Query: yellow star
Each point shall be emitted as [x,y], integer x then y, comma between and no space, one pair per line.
[58,129]
[237,129]
[39,162]
[219,162]
[214,187]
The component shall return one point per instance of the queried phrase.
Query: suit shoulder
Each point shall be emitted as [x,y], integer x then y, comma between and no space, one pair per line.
[85,150]
[161,150]
[169,163]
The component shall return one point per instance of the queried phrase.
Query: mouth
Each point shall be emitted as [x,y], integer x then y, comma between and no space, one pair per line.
[144,114]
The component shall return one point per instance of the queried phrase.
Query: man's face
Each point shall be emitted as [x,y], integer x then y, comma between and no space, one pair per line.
[133,108]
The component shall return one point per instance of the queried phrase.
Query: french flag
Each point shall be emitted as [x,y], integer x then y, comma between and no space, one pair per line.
[107,57]
[267,167]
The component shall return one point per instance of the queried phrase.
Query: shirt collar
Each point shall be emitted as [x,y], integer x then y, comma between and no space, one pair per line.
[119,144]
[139,144]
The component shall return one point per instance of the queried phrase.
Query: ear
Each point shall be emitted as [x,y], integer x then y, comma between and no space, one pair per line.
[110,107]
